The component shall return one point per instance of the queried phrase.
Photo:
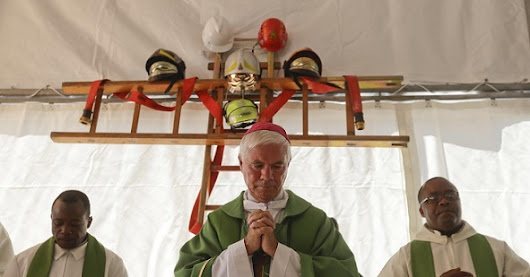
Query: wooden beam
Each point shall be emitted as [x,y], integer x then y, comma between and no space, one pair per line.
[225,168]
[227,139]
[110,87]
[212,207]
[136,118]
[177,113]
[271,65]
[305,110]
[262,65]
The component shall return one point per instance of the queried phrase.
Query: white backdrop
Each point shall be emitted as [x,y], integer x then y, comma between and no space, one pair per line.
[49,42]
[142,195]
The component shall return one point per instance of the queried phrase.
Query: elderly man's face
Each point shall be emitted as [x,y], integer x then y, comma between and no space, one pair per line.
[264,169]
[70,222]
[443,214]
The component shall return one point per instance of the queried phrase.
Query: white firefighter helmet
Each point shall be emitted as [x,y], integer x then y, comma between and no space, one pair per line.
[242,70]
[217,35]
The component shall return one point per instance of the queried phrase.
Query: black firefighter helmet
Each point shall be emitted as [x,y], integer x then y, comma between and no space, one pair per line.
[304,62]
[165,65]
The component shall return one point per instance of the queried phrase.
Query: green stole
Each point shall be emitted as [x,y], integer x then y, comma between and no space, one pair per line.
[261,263]
[94,265]
[481,253]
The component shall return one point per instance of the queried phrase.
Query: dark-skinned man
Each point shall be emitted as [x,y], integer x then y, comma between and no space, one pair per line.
[266,231]
[71,251]
[447,246]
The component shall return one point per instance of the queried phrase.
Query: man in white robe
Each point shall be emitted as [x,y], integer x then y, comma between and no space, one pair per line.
[71,251]
[447,246]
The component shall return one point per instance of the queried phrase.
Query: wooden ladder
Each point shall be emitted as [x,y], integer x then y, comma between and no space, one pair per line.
[214,134]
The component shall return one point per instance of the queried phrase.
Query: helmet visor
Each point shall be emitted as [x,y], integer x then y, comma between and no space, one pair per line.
[162,69]
[241,82]
[305,66]
[241,113]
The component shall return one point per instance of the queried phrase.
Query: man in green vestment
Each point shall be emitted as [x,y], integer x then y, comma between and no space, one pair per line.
[71,251]
[447,246]
[266,230]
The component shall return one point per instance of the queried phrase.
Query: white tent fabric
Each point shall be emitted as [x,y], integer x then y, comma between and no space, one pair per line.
[142,194]
[49,42]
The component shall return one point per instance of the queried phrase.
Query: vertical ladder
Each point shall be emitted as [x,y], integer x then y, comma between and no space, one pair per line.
[207,175]
[210,170]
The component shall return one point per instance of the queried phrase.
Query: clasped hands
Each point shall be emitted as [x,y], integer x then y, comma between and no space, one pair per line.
[261,233]
[456,272]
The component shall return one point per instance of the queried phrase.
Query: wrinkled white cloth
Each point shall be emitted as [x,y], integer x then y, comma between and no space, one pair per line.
[276,207]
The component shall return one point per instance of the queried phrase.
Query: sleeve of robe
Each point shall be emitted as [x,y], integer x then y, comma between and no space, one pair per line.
[398,264]
[207,245]
[114,265]
[514,265]
[6,249]
[329,254]
[235,261]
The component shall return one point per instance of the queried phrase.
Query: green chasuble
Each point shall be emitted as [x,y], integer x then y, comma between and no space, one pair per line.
[304,228]
[93,265]
[422,261]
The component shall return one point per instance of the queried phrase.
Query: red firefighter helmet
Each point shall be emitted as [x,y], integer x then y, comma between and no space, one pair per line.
[272,35]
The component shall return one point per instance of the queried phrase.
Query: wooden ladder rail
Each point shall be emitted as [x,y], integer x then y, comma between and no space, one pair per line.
[206,181]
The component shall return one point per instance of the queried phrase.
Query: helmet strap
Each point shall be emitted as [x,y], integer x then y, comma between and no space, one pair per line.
[295,79]
[174,79]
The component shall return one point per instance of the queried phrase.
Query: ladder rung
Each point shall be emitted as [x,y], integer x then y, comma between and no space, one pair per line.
[212,207]
[225,167]
[227,139]
[235,131]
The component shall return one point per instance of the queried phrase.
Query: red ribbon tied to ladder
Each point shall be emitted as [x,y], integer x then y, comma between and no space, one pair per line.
[135,95]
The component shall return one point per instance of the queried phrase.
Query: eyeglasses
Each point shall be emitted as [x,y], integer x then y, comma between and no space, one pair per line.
[450,196]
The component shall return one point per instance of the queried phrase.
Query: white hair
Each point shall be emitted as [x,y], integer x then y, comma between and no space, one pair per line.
[264,137]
